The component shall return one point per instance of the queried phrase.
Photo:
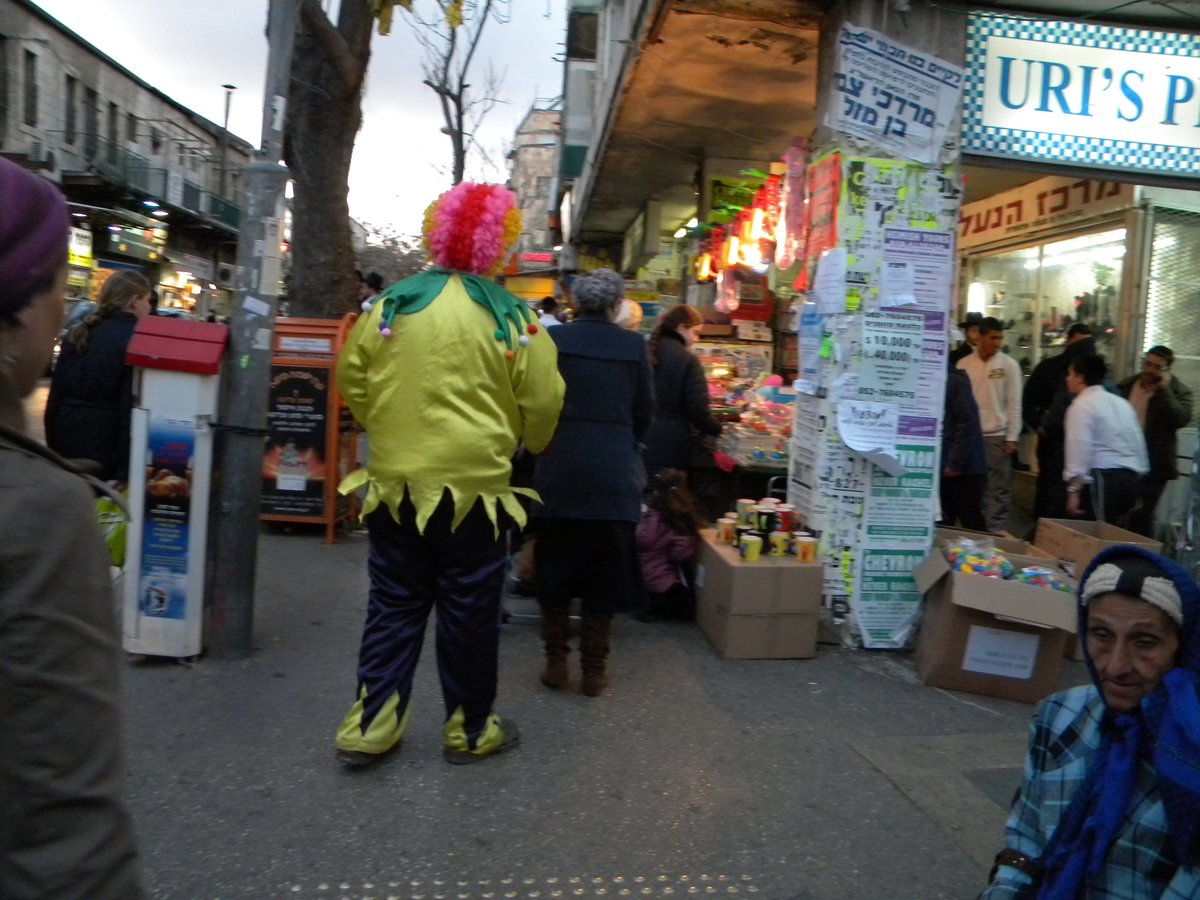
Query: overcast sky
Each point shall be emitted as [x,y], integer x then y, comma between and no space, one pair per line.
[189,49]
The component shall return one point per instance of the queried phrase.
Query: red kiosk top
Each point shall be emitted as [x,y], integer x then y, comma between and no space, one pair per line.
[161,342]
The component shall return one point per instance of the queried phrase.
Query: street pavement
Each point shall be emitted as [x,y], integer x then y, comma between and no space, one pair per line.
[840,777]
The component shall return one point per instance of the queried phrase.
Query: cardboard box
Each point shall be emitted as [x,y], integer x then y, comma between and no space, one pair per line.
[773,586]
[1076,542]
[1005,542]
[758,637]
[990,636]
[762,610]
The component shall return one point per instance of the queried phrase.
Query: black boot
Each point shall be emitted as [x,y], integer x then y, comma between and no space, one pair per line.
[593,648]
[555,623]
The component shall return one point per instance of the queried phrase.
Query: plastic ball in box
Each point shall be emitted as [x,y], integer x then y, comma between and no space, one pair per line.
[1040,576]
[974,560]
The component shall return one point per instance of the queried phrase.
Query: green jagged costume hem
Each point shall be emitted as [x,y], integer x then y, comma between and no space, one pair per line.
[425,499]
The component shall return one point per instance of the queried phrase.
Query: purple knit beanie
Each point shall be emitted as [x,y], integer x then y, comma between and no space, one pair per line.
[33,236]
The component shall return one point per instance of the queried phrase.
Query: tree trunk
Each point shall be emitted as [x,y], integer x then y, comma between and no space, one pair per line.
[324,115]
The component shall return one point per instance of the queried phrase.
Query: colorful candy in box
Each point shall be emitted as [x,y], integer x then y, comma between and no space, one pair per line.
[1040,576]
[978,558]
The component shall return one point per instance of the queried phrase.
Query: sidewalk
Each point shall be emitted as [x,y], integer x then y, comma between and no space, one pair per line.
[836,778]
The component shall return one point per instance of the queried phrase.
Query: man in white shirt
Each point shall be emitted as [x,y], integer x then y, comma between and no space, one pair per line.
[1106,450]
[996,384]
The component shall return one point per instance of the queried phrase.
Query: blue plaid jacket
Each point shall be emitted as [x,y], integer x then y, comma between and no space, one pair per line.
[1141,865]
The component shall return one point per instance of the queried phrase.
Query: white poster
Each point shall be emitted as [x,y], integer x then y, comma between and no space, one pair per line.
[810,334]
[917,270]
[891,351]
[830,282]
[893,96]
[994,651]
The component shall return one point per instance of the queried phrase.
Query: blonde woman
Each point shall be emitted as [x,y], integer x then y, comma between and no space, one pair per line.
[91,394]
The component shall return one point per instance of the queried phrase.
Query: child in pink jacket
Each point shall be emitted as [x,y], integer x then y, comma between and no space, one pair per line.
[666,540]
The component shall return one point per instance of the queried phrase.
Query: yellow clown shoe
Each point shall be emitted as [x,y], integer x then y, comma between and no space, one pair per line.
[496,737]
[359,747]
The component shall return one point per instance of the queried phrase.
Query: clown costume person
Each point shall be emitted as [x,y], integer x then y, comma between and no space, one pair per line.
[447,372]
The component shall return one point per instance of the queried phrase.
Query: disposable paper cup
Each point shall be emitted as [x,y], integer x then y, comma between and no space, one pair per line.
[765,518]
[745,511]
[806,548]
[725,530]
[750,548]
[788,520]
[769,501]
[739,532]
[779,543]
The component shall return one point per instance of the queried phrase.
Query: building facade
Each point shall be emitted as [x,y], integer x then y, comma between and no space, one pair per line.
[149,182]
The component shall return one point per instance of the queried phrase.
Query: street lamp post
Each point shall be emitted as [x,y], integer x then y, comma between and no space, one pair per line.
[229,89]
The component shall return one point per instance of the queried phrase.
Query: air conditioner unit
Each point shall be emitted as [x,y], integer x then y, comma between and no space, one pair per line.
[227,277]
[41,153]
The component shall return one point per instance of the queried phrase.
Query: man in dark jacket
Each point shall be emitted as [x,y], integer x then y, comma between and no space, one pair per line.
[964,457]
[1047,388]
[970,329]
[1163,405]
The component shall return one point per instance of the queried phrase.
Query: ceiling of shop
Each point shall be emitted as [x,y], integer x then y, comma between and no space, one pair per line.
[737,79]
[707,85]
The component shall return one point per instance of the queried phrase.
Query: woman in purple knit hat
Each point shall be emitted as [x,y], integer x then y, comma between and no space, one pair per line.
[64,828]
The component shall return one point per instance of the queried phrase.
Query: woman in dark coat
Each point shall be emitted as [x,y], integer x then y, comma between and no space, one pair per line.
[681,413]
[91,394]
[590,480]
[66,830]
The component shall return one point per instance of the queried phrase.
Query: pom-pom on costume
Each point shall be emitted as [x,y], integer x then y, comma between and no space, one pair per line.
[447,372]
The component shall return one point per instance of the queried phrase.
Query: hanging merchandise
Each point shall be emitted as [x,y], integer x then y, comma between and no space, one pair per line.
[789,236]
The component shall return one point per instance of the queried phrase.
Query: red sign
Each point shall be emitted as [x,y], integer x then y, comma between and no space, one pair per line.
[537,257]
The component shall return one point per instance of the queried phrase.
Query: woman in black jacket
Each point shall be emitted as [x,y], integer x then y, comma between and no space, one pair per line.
[91,394]
[681,413]
[590,480]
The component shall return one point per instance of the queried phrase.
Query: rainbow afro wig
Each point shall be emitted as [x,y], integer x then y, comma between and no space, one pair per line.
[470,227]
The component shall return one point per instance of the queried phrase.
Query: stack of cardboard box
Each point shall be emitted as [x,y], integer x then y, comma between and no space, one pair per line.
[766,609]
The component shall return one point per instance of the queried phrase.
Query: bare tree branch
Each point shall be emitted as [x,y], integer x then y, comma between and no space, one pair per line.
[349,71]
[449,53]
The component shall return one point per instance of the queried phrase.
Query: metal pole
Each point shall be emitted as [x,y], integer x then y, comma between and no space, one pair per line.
[243,409]
[222,182]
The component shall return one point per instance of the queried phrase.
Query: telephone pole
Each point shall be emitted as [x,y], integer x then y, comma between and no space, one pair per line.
[243,408]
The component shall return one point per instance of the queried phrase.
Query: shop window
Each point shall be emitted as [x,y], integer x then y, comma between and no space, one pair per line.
[71,116]
[31,89]
[581,35]
[91,122]
[1173,295]
[113,136]
[1038,292]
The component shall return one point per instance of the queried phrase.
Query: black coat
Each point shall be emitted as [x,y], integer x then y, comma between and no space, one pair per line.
[91,399]
[962,437]
[592,468]
[681,410]
[1169,409]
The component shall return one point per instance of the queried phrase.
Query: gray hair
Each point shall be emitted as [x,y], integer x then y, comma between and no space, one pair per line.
[598,291]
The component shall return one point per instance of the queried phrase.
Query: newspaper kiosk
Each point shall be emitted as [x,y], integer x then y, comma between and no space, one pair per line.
[178,366]
[312,438]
